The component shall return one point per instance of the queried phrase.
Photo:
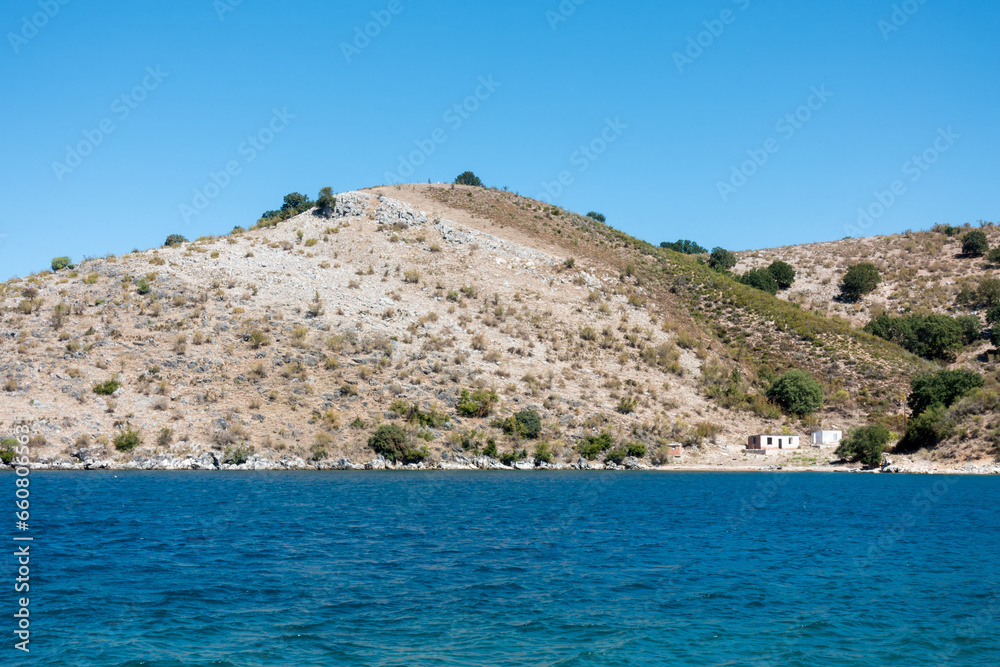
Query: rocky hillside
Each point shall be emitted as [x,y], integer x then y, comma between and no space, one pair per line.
[444,310]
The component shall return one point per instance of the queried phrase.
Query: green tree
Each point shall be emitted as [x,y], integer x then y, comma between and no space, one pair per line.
[993,315]
[988,292]
[529,423]
[684,246]
[60,263]
[326,203]
[468,178]
[597,216]
[761,279]
[924,430]
[975,243]
[296,201]
[859,280]
[721,259]
[174,239]
[972,328]
[994,255]
[943,387]
[798,392]
[783,274]
[865,444]
[927,336]
[389,440]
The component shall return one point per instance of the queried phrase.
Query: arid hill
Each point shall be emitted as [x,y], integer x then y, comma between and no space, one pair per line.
[444,310]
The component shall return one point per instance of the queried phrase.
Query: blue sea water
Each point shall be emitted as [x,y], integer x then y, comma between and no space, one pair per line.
[554,569]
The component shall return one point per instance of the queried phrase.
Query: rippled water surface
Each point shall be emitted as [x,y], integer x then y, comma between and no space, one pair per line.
[435,568]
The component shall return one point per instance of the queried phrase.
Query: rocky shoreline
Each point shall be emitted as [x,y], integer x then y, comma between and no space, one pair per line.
[214,460]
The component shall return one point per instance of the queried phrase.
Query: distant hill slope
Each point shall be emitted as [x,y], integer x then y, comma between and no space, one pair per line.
[299,340]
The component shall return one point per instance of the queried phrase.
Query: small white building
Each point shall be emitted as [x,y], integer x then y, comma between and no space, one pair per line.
[771,444]
[820,438]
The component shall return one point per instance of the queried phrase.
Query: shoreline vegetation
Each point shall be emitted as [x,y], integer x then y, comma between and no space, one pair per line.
[214,461]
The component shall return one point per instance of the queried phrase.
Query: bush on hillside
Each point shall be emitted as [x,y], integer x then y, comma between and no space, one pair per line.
[927,336]
[859,280]
[684,246]
[389,440]
[592,446]
[468,178]
[760,279]
[972,328]
[60,263]
[525,424]
[597,216]
[107,388]
[975,243]
[127,439]
[797,392]
[994,255]
[478,403]
[294,203]
[865,444]
[943,387]
[174,239]
[326,203]
[783,274]
[721,259]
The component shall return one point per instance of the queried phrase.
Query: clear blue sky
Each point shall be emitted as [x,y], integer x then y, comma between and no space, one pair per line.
[678,127]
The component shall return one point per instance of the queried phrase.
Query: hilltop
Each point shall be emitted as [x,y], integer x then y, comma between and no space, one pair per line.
[445,310]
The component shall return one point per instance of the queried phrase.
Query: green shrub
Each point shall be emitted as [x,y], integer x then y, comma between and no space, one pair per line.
[636,449]
[107,388]
[975,243]
[944,388]
[142,287]
[783,274]
[993,315]
[543,453]
[127,440]
[627,404]
[721,259]
[326,203]
[859,280]
[972,328]
[760,279]
[592,446]
[294,204]
[928,336]
[865,444]
[616,456]
[924,430]
[60,263]
[238,454]
[389,440]
[597,216]
[797,392]
[468,178]
[413,414]
[994,255]
[174,239]
[525,424]
[7,453]
[491,449]
[684,246]
[508,458]
[476,404]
